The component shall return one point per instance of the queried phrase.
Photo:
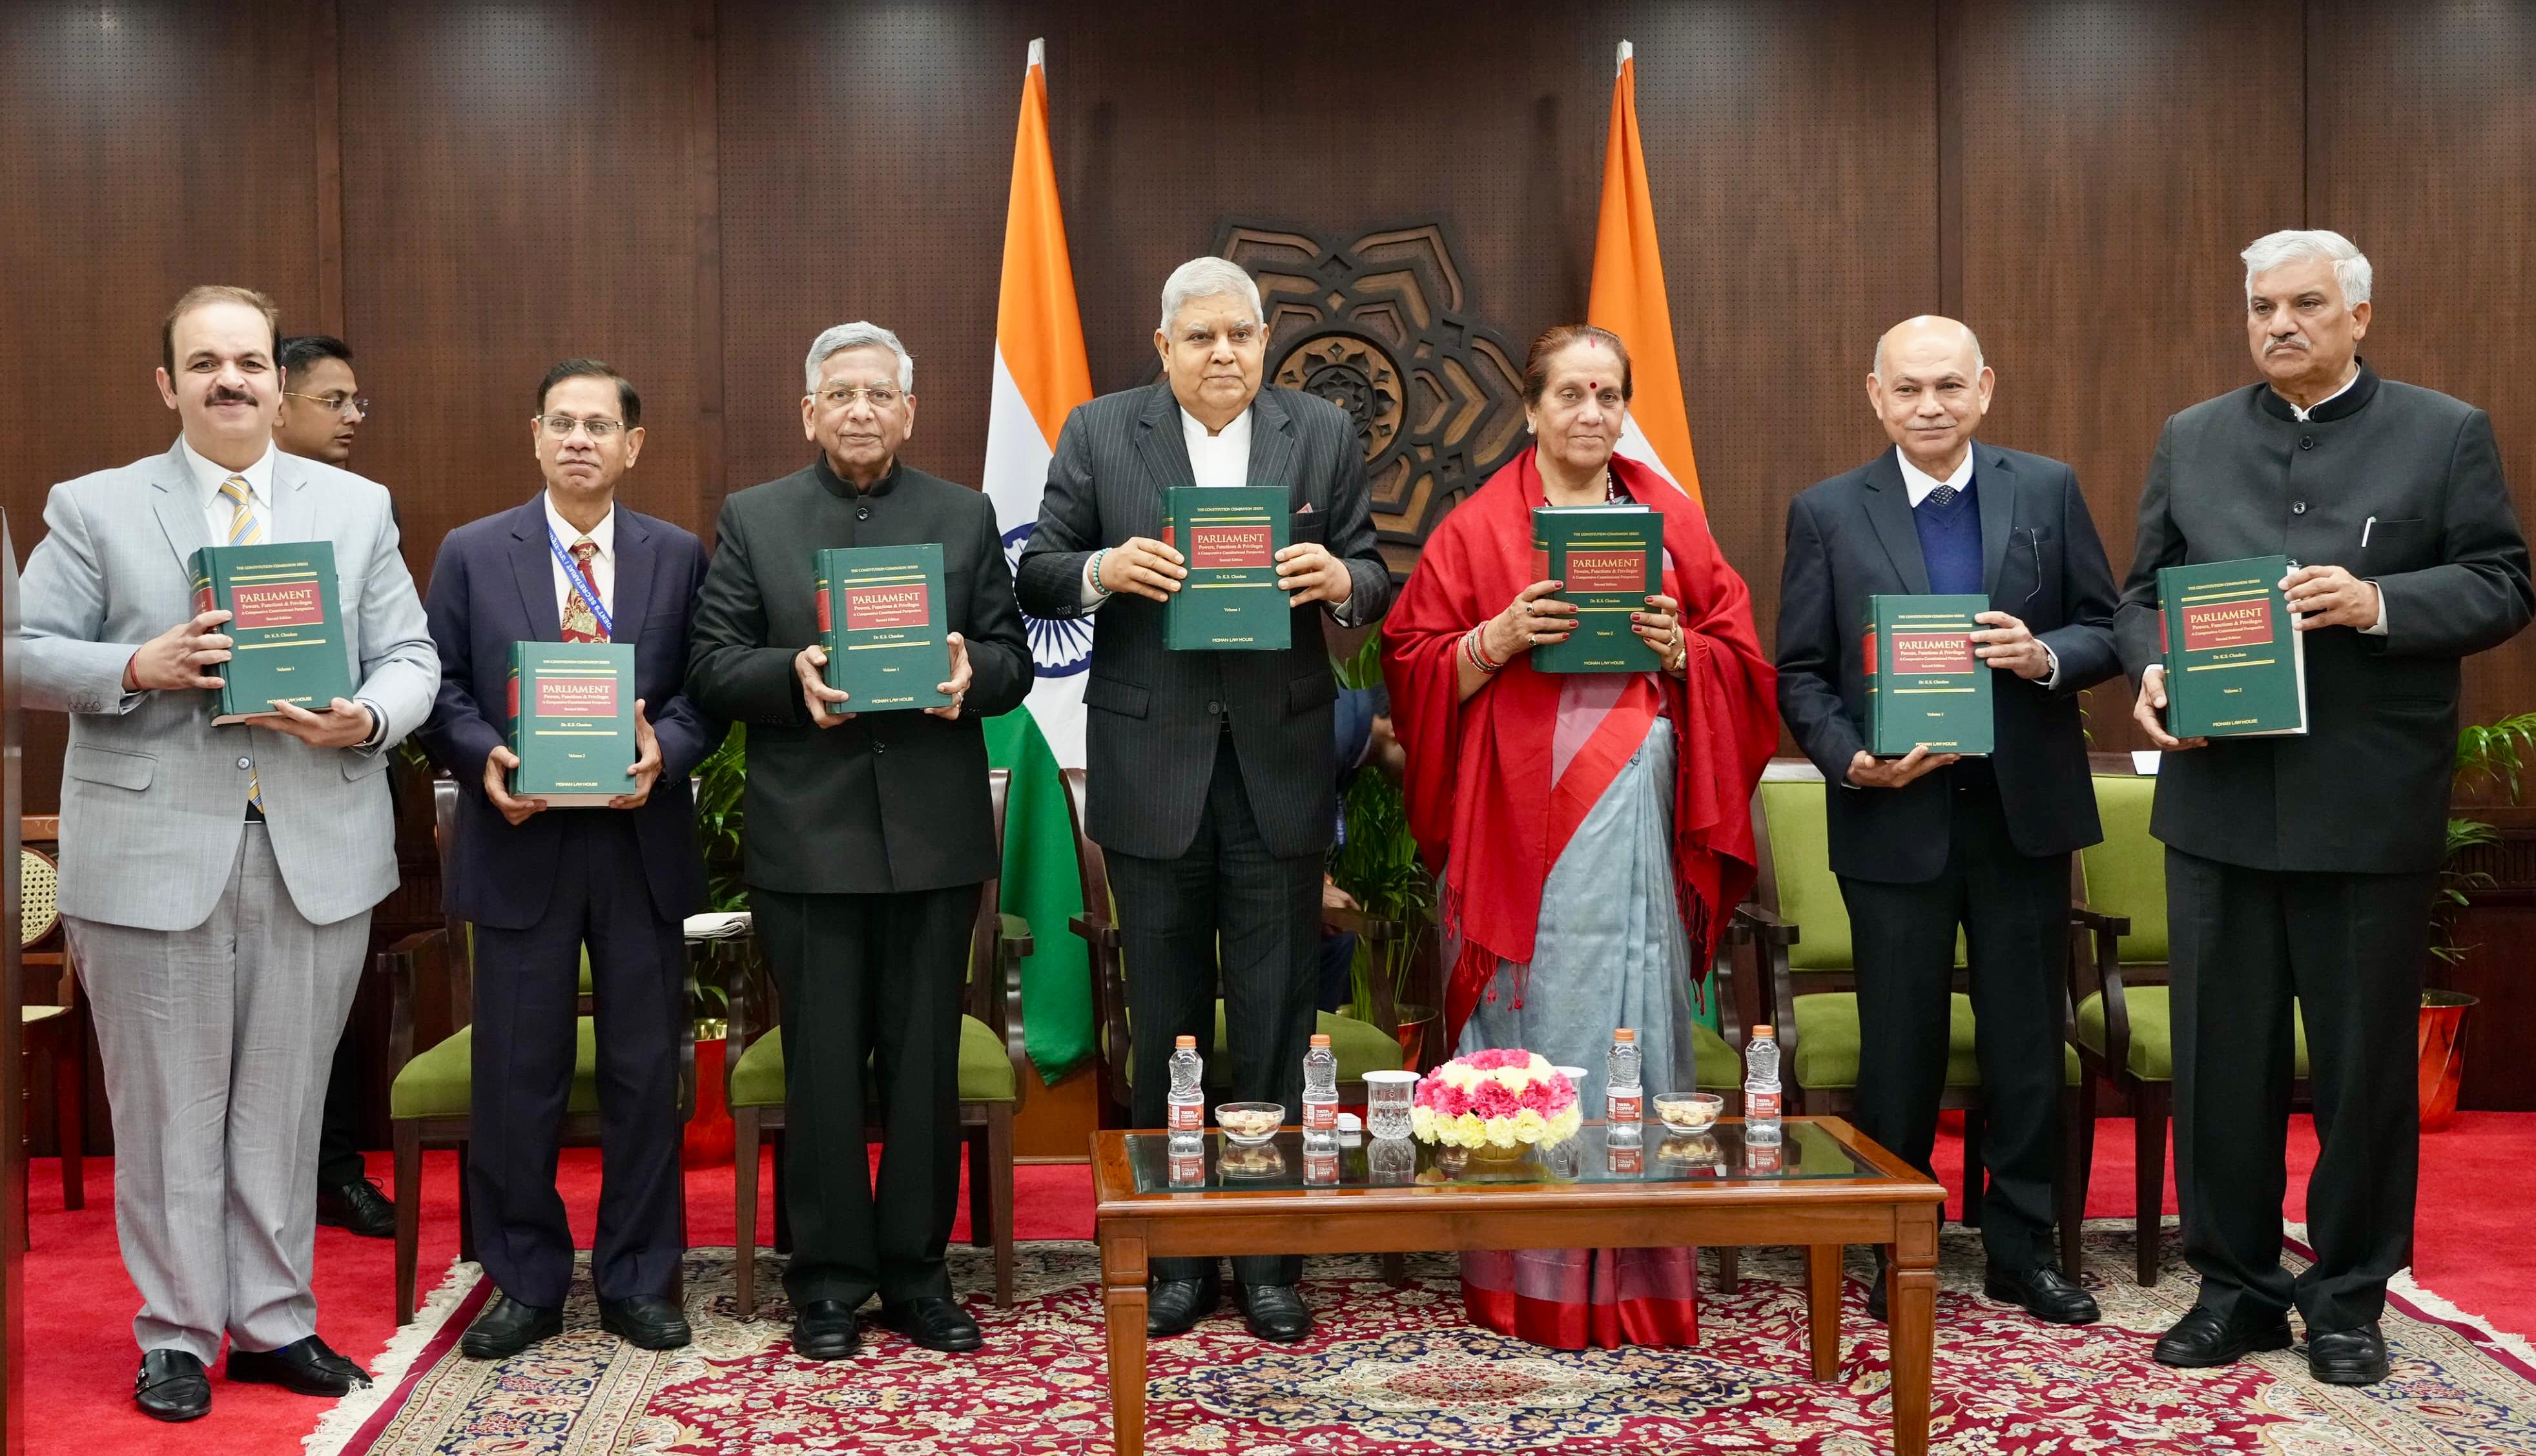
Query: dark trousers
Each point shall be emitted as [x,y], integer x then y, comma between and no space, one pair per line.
[527,994]
[1263,911]
[2349,948]
[870,980]
[2014,911]
[339,1135]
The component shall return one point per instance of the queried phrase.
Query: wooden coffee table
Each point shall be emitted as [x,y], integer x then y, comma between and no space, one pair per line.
[1823,1186]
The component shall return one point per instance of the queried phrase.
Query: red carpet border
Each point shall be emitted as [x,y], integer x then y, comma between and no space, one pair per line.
[1400,1370]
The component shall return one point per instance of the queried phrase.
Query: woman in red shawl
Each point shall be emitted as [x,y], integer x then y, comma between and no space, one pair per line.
[1594,831]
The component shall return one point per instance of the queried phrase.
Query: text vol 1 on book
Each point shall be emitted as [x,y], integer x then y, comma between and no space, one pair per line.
[881,623]
[285,631]
[1609,560]
[2236,665]
[1229,602]
[1924,689]
[572,721]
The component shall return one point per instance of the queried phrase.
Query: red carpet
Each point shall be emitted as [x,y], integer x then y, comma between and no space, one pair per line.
[2478,1181]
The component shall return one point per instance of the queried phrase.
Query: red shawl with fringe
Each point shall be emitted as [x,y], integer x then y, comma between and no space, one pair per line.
[1495,789]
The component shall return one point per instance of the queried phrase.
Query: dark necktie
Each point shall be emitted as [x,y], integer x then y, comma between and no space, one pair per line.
[1943,495]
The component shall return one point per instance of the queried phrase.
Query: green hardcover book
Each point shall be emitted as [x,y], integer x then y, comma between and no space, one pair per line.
[285,631]
[572,721]
[2236,665]
[880,620]
[1924,685]
[1610,559]
[1230,600]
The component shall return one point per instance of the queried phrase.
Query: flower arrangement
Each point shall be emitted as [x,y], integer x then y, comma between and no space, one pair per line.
[1498,1099]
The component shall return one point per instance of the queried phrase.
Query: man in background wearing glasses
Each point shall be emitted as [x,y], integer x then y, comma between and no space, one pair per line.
[571,564]
[868,835]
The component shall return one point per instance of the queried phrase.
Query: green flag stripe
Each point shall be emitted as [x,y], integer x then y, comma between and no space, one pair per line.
[1042,886]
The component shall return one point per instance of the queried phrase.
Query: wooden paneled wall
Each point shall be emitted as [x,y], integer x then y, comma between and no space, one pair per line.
[693,188]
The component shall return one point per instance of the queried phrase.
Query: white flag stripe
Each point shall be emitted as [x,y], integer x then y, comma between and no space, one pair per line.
[1636,446]
[1017,459]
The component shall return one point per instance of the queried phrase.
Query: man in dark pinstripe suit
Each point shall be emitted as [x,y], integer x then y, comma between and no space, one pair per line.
[1209,772]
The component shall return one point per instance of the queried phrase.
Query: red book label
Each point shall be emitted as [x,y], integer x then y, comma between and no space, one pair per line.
[203,599]
[871,608]
[1607,571]
[2220,624]
[515,697]
[1539,564]
[825,623]
[276,605]
[1931,652]
[1219,547]
[1871,651]
[576,697]
[1170,536]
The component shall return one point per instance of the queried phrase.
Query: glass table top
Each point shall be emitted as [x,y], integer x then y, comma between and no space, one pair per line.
[1648,1154]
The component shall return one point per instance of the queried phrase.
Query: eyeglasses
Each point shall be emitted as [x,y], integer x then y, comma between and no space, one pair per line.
[561,427]
[882,395]
[333,404]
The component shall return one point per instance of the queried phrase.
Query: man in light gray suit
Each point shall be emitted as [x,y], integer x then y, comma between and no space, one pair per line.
[1209,773]
[217,882]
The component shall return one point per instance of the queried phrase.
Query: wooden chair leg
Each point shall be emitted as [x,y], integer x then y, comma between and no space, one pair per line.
[466,1211]
[783,1203]
[1976,1172]
[2077,1104]
[999,1197]
[70,1109]
[1395,1270]
[744,1268]
[1730,1269]
[981,1203]
[408,1142]
[2150,1103]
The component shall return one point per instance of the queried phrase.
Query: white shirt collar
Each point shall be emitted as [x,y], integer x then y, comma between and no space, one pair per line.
[2328,400]
[1920,483]
[1237,430]
[565,533]
[208,478]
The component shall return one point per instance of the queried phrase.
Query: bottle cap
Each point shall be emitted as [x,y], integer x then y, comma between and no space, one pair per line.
[1625,1034]
[1189,1043]
[1763,1030]
[1319,1040]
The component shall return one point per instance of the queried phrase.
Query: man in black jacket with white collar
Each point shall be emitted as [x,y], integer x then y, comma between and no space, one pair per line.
[2304,867]
[868,835]
[1929,841]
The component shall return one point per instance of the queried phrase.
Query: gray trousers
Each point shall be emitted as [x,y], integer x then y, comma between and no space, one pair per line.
[217,1044]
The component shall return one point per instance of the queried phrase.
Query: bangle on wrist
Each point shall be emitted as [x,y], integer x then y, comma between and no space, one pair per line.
[1479,656]
[1097,587]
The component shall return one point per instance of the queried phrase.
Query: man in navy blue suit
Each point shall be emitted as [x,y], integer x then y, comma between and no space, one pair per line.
[539,884]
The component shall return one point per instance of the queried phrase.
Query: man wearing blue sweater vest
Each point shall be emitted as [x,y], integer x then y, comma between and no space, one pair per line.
[1929,843]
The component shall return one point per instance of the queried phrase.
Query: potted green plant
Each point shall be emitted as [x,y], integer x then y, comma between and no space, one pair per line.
[719,782]
[2489,757]
[1376,862]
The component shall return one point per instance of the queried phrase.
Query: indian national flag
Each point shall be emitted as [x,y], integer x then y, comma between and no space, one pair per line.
[1039,377]
[1628,296]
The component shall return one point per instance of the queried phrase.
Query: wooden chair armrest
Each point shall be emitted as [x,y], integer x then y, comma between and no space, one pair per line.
[1766,925]
[1015,936]
[1099,932]
[396,965]
[2100,922]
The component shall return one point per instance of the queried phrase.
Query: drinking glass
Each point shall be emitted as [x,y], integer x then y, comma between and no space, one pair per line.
[1387,1099]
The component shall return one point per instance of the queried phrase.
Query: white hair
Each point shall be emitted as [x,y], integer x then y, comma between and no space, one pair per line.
[1979,363]
[2290,245]
[1208,278]
[856,335]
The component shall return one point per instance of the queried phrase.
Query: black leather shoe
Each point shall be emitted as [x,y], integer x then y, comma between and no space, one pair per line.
[1175,1305]
[1275,1312]
[171,1386]
[302,1367]
[2205,1337]
[358,1206]
[824,1329]
[934,1323]
[505,1327]
[2044,1293]
[2353,1357]
[1876,1287]
[646,1322]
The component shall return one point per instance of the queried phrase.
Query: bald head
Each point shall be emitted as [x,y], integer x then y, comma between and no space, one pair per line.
[1930,390]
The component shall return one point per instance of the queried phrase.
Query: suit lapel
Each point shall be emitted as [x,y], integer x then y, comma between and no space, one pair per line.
[532,566]
[294,511]
[633,585]
[1158,440]
[1272,447]
[179,507]
[1994,486]
[1888,510]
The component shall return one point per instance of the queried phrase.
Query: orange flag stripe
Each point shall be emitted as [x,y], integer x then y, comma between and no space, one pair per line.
[1628,291]
[1038,328]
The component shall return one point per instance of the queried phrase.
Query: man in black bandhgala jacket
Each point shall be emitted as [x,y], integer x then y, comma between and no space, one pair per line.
[867,837]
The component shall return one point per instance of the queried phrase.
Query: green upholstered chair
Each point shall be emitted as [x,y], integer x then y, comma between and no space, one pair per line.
[1361,1047]
[1805,984]
[55,1020]
[2122,1028]
[431,1101]
[990,1083]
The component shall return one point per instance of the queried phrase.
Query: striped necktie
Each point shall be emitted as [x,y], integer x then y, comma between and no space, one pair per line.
[245,530]
[579,623]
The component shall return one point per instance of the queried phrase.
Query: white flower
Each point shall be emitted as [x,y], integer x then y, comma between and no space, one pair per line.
[1529,1125]
[1512,1079]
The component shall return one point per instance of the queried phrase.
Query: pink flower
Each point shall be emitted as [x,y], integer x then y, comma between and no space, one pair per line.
[1493,1100]
[1535,1095]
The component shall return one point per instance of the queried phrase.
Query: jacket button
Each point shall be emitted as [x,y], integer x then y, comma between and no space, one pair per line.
[881,747]
[1214,710]
[2297,508]
[862,513]
[2307,442]
[246,763]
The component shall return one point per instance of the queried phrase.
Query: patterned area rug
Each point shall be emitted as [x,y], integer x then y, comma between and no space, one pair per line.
[1399,1370]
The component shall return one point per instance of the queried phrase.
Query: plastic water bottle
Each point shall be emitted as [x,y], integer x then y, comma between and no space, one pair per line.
[1761,1087]
[1187,1107]
[1321,1088]
[1623,1100]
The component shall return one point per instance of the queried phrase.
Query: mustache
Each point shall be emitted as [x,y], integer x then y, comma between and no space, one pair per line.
[226,396]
